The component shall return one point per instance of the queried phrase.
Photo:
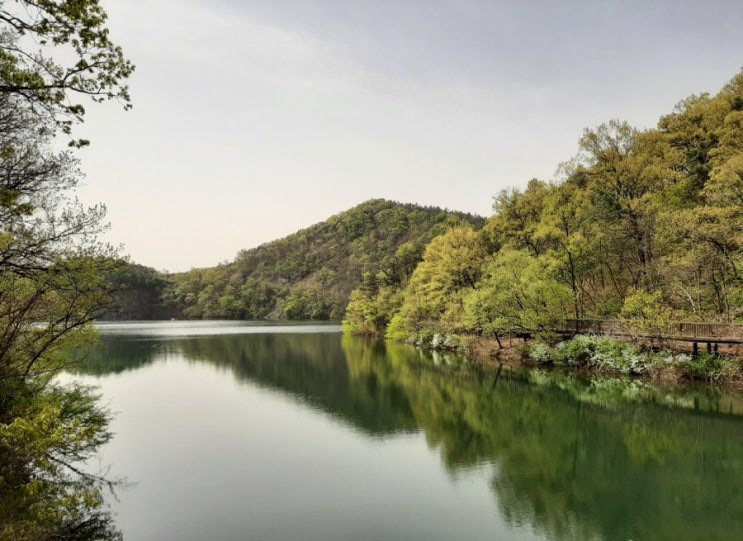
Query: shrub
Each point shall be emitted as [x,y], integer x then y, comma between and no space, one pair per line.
[708,367]
[540,353]
[397,330]
[575,352]
[597,352]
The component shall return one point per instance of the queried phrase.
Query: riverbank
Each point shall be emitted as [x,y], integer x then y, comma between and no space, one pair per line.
[672,363]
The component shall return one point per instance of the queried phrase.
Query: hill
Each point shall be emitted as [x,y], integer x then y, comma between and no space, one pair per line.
[311,273]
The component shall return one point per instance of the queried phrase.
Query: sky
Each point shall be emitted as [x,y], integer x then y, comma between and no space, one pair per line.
[253,119]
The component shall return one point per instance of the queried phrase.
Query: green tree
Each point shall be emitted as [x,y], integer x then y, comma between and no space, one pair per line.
[44,495]
[702,239]
[690,129]
[52,269]
[51,286]
[517,217]
[518,294]
[566,227]
[646,313]
[373,304]
[370,314]
[73,30]
[433,298]
[626,168]
[136,292]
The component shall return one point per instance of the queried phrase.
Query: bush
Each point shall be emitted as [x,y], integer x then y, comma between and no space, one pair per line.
[708,367]
[610,355]
[592,351]
[575,352]
[397,330]
[539,353]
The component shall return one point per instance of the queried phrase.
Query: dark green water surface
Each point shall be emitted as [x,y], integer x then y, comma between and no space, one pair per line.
[235,431]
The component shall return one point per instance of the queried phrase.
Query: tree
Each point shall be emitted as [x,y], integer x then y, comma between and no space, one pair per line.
[51,286]
[372,305]
[451,267]
[517,216]
[73,29]
[565,227]
[137,292]
[43,494]
[52,269]
[626,168]
[518,294]
[690,129]
[703,238]
[50,261]
[370,313]
[645,314]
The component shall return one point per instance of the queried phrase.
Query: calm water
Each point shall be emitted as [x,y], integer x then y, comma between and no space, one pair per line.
[252,432]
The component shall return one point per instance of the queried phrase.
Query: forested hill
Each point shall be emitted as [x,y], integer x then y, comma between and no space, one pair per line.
[646,225]
[311,273]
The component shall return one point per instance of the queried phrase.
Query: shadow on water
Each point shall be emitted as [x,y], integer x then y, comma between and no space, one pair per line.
[571,458]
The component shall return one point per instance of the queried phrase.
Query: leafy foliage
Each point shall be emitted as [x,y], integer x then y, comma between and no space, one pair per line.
[605,354]
[51,286]
[644,225]
[518,294]
[75,30]
[136,292]
[43,493]
[450,268]
[52,269]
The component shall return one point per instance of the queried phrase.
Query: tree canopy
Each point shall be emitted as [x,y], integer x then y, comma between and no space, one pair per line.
[654,213]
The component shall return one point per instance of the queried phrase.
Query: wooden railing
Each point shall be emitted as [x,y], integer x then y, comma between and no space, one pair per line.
[688,332]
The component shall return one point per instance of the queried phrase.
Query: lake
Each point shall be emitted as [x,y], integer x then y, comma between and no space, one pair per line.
[249,431]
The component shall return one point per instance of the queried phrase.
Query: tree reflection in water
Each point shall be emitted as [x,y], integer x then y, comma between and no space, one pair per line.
[573,459]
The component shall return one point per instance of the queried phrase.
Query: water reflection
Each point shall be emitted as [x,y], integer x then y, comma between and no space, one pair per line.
[569,458]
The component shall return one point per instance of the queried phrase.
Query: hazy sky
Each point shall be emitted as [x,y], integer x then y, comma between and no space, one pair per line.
[253,119]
